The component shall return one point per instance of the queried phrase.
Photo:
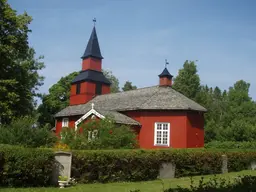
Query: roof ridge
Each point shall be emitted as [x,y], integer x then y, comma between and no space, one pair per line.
[126,91]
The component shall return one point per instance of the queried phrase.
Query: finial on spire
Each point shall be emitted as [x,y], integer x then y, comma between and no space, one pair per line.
[94,21]
[92,105]
[166,63]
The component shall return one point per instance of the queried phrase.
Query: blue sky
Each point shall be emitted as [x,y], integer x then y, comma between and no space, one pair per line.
[136,36]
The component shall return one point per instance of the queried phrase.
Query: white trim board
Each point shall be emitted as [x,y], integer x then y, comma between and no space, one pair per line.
[92,111]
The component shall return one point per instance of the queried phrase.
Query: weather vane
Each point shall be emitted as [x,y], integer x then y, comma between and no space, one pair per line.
[166,63]
[94,21]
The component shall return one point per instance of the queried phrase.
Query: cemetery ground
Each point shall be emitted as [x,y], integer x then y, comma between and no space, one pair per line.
[148,186]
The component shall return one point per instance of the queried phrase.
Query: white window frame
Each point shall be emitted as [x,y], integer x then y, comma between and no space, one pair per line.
[65,122]
[156,130]
[92,135]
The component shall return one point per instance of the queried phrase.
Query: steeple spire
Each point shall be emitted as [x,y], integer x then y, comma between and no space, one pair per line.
[165,78]
[93,48]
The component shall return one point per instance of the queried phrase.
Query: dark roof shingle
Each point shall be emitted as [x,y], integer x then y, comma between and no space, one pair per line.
[91,75]
[165,73]
[92,48]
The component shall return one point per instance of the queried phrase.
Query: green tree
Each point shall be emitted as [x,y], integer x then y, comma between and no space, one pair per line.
[25,132]
[103,134]
[56,100]
[114,88]
[58,97]
[19,77]
[188,82]
[128,86]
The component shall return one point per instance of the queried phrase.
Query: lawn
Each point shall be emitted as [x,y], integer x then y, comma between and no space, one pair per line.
[149,186]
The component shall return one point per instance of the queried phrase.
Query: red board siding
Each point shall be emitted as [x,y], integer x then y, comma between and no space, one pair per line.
[87,92]
[164,81]
[186,128]
[178,128]
[92,64]
[71,123]
[195,126]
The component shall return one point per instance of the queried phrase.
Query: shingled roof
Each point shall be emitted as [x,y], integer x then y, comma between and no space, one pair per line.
[92,48]
[91,75]
[149,98]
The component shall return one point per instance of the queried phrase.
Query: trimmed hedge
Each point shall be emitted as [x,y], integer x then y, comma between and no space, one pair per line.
[33,167]
[138,165]
[26,166]
[246,145]
[238,161]
[1,165]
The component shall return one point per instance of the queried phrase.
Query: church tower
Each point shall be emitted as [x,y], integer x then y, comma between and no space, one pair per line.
[90,82]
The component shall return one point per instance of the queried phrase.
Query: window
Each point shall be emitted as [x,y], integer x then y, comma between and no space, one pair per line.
[92,135]
[78,87]
[162,134]
[98,89]
[65,122]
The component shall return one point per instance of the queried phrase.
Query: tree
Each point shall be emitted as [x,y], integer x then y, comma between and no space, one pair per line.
[114,88]
[58,97]
[128,86]
[19,77]
[188,82]
[231,114]
[56,100]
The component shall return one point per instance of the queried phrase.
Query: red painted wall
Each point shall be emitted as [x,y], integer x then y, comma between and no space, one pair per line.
[178,129]
[71,123]
[195,126]
[87,92]
[92,64]
[186,128]
[163,81]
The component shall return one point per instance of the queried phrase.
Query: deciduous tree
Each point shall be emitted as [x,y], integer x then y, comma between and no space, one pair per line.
[188,82]
[128,86]
[19,77]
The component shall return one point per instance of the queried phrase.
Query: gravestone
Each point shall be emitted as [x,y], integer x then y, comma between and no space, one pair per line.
[62,166]
[224,168]
[253,165]
[167,171]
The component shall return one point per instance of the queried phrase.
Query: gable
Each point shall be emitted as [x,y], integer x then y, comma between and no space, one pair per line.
[88,114]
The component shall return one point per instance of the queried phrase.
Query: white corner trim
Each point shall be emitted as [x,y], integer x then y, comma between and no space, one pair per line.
[92,111]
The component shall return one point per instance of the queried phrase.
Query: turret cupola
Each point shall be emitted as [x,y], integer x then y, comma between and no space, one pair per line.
[165,78]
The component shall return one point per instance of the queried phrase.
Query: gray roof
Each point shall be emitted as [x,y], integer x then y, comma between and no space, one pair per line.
[149,98]
[118,117]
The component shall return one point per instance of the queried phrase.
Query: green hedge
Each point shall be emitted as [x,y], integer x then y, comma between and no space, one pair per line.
[227,145]
[238,161]
[138,165]
[33,167]
[26,166]
[1,165]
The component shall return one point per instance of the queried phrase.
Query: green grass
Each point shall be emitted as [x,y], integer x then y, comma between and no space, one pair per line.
[148,186]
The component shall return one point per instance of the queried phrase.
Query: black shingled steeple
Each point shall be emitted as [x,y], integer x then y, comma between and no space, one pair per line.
[165,73]
[93,48]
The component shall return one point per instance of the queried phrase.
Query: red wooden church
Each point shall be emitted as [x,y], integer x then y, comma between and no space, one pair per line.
[162,116]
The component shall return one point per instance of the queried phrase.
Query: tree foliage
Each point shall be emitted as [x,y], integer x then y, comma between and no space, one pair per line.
[19,77]
[231,114]
[128,86]
[100,134]
[25,132]
[114,88]
[188,82]
[56,100]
